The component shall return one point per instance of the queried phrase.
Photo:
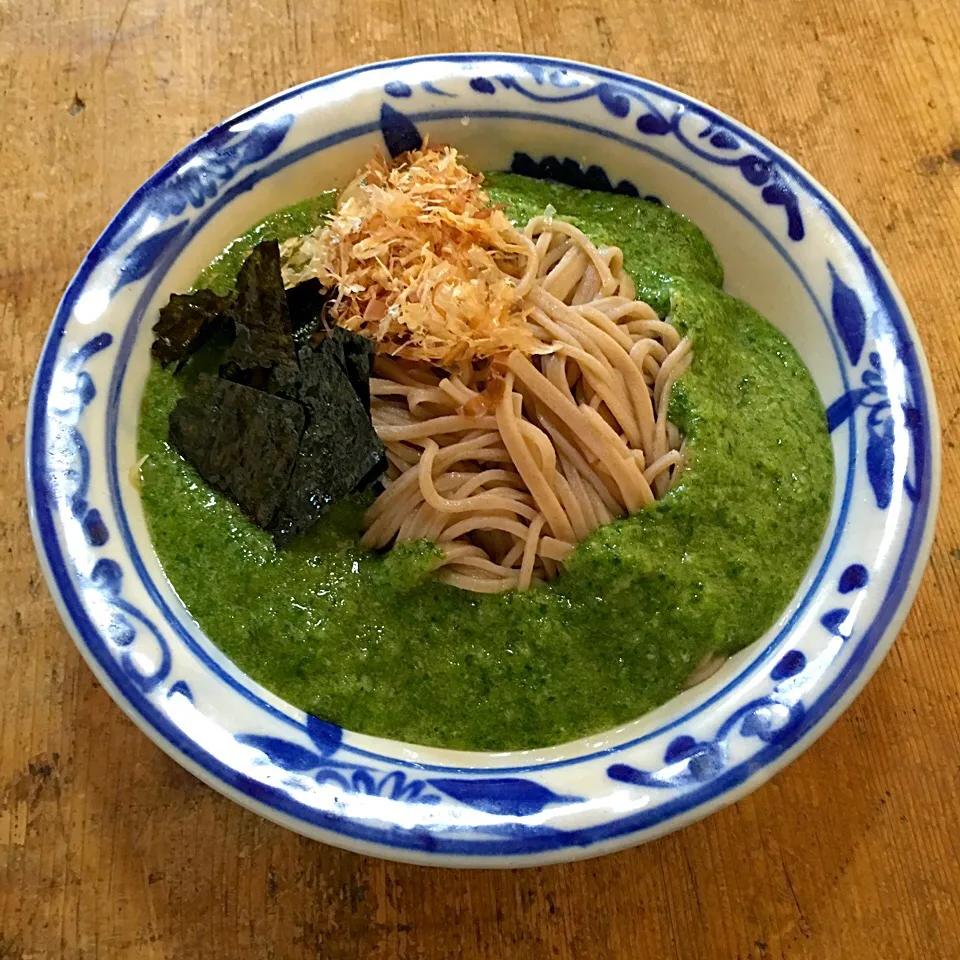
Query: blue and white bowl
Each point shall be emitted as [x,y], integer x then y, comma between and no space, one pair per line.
[788,248]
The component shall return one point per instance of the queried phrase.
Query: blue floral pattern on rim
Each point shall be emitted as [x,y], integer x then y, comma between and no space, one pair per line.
[688,761]
[618,100]
[124,623]
[873,396]
[499,796]
[78,392]
[193,185]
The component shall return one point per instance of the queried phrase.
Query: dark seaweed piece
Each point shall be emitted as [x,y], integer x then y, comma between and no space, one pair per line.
[240,440]
[263,354]
[208,357]
[186,323]
[374,474]
[355,355]
[339,448]
[305,302]
[285,434]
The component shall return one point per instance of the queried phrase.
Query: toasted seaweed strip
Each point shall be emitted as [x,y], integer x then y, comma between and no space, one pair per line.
[306,301]
[208,357]
[186,323]
[240,440]
[358,354]
[355,355]
[339,448]
[374,474]
[263,354]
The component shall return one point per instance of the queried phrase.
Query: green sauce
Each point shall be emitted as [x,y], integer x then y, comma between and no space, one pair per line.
[372,643]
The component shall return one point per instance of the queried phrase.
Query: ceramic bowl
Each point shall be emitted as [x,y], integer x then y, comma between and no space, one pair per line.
[788,248]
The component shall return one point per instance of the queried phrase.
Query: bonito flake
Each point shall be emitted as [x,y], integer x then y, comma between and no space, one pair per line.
[422,262]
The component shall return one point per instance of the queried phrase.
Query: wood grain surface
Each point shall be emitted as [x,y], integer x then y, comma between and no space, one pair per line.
[108,849]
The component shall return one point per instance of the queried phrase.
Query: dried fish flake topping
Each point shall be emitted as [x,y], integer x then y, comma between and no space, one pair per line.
[422,262]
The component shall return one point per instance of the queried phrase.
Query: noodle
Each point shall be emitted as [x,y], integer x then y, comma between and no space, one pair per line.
[508,463]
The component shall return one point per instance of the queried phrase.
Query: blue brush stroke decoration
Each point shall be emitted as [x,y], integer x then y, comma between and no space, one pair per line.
[837,622]
[82,354]
[180,689]
[126,625]
[392,786]
[880,461]
[397,88]
[501,796]
[688,761]
[569,172]
[227,153]
[324,768]
[563,78]
[94,529]
[282,753]
[844,406]
[326,737]
[79,394]
[778,193]
[482,85]
[614,102]
[429,87]
[789,665]
[848,315]
[723,140]
[760,172]
[755,170]
[855,577]
[399,132]
[144,256]
[654,125]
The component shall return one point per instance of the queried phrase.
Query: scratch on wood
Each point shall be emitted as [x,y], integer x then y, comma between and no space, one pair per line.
[116,31]
[604,32]
[802,923]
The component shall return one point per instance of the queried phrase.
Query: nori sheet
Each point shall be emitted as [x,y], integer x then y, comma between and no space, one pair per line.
[284,432]
[186,323]
[355,354]
[306,302]
[263,354]
[241,440]
[339,448]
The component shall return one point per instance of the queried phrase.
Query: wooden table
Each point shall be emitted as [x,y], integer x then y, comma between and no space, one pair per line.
[108,849]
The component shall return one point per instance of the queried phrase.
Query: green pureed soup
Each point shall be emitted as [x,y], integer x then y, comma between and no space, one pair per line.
[371,642]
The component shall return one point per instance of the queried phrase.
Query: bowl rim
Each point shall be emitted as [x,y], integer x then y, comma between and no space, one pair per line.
[721,791]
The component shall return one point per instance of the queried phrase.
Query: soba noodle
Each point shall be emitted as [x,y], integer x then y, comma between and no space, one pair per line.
[508,466]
